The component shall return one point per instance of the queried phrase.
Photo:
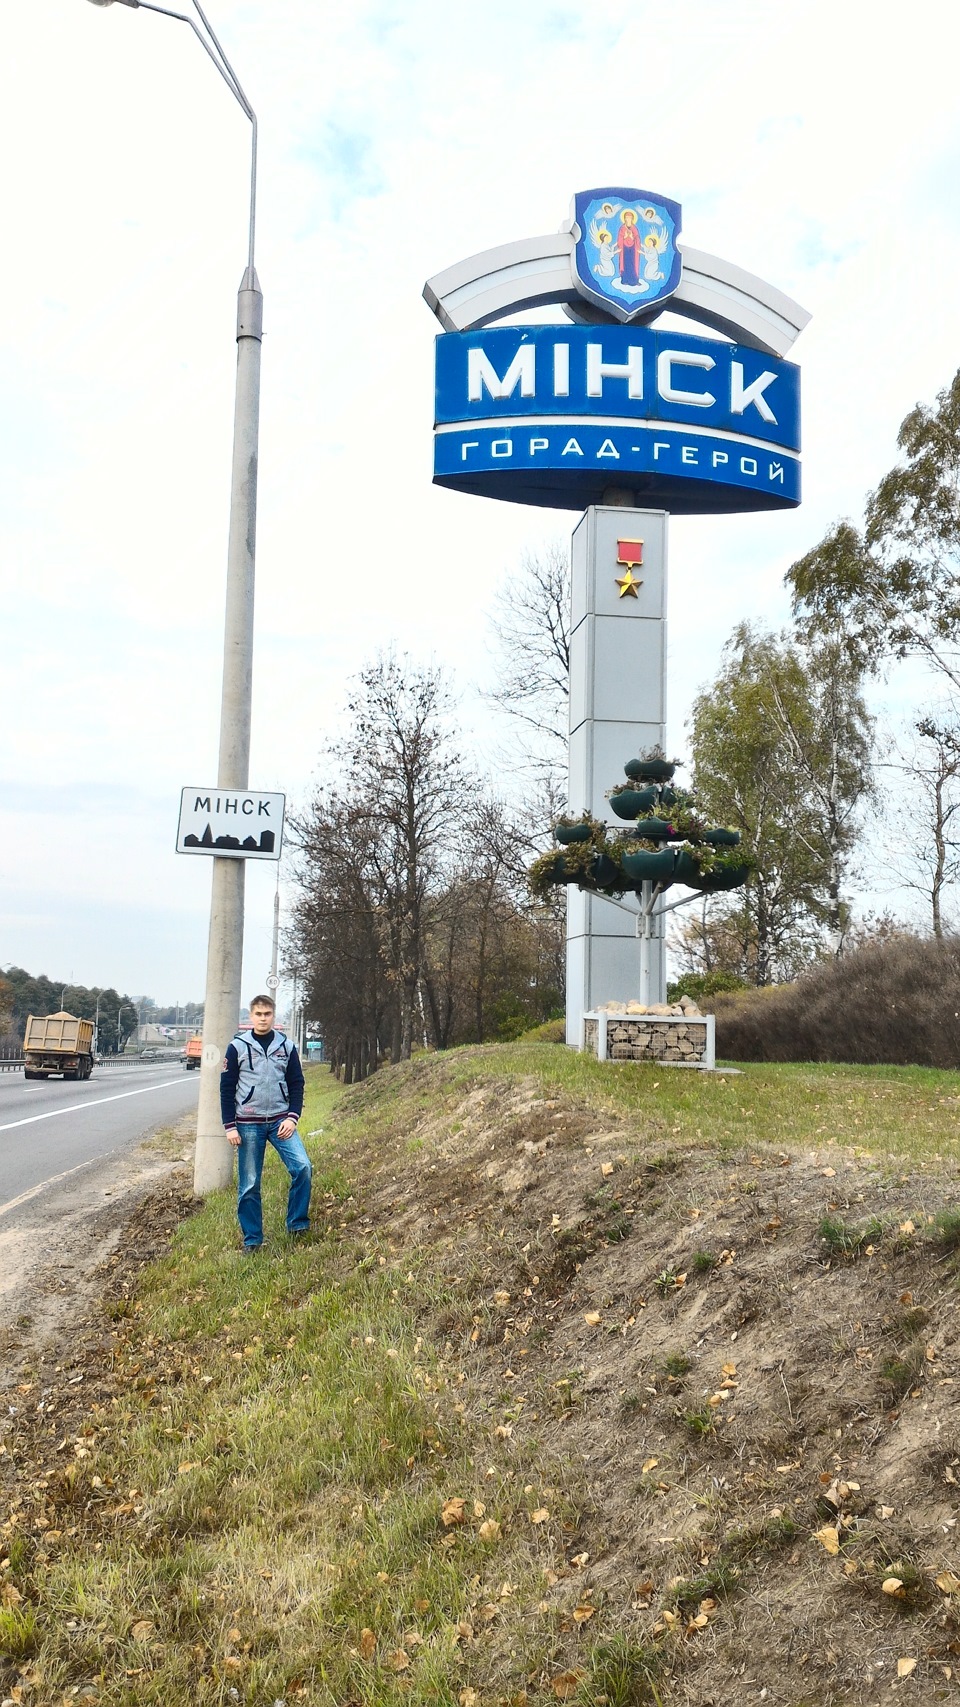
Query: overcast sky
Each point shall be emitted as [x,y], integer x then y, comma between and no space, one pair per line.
[817,145]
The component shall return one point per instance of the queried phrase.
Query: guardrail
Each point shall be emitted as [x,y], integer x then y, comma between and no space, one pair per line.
[14,1063]
[139,1061]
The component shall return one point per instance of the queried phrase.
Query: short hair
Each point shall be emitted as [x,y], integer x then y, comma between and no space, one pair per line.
[263,1002]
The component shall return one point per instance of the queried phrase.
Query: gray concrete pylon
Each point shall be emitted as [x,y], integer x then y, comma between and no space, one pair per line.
[213,1165]
[618,640]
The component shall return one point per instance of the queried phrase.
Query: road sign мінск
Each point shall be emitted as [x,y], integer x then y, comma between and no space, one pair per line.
[231,824]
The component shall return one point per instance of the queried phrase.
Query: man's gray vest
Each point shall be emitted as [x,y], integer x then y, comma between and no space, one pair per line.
[262,1087]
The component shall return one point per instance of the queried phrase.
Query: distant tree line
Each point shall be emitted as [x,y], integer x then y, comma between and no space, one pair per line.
[413,925]
[179,1013]
[21,994]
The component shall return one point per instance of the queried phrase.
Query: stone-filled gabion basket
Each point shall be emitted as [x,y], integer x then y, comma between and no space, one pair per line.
[681,1039]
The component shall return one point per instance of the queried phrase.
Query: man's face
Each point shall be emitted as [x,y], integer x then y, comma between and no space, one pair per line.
[261,1018]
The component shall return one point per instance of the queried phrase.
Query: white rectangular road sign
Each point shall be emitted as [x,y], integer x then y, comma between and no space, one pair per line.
[230,824]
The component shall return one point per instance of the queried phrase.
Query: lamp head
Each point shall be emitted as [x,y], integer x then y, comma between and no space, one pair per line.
[110,2]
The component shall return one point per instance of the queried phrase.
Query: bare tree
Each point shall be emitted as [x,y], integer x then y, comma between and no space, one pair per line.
[532,634]
[414,921]
[931,860]
[338,936]
[406,784]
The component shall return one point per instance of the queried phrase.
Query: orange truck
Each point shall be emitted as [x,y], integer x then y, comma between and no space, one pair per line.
[193,1052]
[57,1043]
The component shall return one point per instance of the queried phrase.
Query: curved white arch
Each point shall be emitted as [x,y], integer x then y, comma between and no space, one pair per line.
[539,270]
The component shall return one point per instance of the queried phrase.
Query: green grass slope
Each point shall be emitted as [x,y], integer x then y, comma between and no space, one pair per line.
[604,1384]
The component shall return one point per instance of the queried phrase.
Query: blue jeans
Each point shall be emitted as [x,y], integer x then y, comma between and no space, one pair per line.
[250,1156]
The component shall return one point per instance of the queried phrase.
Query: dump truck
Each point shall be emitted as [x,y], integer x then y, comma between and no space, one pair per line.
[193,1052]
[57,1043]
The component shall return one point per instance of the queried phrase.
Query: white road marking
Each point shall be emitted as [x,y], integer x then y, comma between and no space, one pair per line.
[55,1179]
[72,1107]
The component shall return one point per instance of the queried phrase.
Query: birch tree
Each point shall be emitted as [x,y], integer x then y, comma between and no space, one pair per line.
[781,748]
[892,590]
[930,864]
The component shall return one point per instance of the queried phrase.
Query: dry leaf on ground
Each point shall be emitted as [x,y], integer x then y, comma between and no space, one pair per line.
[368,1643]
[566,1684]
[828,1539]
[905,1667]
[454,1511]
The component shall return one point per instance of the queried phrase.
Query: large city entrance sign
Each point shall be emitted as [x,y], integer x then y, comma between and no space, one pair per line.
[607,414]
[551,415]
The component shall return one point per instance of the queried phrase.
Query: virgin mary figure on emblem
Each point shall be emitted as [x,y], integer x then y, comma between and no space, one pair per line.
[625,255]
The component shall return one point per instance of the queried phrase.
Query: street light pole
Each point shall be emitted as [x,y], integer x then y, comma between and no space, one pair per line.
[275,955]
[213,1165]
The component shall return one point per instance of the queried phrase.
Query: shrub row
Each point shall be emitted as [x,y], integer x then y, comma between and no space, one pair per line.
[895,1001]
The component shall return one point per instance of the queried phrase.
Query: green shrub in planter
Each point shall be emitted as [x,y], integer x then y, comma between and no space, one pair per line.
[552,868]
[654,829]
[630,802]
[687,868]
[604,871]
[722,877]
[649,769]
[649,867]
[721,838]
[567,834]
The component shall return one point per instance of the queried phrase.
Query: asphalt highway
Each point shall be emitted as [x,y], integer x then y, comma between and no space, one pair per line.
[52,1129]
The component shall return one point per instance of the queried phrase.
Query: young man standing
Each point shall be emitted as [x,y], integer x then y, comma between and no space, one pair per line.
[261,1100]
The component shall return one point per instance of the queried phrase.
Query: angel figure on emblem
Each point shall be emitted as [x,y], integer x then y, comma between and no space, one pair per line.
[602,240]
[655,244]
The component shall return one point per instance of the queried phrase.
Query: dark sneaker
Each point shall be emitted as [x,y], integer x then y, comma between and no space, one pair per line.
[251,1250]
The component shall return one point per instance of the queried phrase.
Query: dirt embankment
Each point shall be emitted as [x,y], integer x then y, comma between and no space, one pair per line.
[750,1368]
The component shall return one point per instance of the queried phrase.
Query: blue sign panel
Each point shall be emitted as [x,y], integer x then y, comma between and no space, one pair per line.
[554,415]
[626,256]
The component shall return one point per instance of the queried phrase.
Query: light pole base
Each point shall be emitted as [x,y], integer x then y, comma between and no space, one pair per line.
[213,1162]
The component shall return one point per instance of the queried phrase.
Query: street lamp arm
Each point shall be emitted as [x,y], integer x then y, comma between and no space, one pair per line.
[233,83]
[219,58]
[234,79]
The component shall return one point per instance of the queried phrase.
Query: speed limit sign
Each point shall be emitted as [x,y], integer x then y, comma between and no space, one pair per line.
[273,982]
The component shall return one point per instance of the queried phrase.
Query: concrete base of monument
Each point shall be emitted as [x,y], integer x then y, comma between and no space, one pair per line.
[681,1039]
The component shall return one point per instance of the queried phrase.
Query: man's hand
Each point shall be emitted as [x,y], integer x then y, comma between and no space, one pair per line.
[286,1129]
[233,1136]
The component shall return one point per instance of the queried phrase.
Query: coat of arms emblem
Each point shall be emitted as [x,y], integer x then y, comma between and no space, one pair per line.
[625,255]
